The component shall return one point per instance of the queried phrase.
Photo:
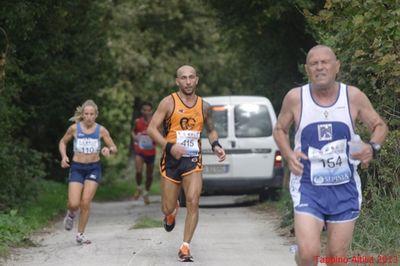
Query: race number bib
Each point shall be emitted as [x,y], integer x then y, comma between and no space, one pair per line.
[145,142]
[87,145]
[329,165]
[190,140]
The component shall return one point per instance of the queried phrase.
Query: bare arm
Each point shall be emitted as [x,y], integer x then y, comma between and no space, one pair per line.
[110,148]
[286,118]
[362,110]
[368,116]
[211,132]
[209,123]
[133,134]
[164,110]
[62,145]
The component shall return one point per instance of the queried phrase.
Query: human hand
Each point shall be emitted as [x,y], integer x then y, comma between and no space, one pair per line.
[177,151]
[294,164]
[105,151]
[65,162]
[365,155]
[220,152]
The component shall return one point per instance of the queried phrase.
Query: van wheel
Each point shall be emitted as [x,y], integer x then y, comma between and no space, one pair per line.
[270,194]
[182,199]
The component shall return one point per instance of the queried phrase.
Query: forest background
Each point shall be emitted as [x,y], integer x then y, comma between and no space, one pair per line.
[56,54]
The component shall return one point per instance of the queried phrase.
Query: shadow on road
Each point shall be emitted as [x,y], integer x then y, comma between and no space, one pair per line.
[227,201]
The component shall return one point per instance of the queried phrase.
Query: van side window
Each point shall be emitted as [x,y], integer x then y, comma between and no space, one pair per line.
[220,117]
[252,120]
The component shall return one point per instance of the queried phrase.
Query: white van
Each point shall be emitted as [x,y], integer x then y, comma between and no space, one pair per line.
[253,163]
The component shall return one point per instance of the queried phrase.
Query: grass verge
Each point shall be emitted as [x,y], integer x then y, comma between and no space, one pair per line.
[146,222]
[377,231]
[17,224]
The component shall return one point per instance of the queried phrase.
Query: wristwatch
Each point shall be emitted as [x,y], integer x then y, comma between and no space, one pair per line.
[375,148]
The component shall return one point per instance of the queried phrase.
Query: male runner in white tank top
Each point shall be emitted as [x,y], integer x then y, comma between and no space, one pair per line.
[324,185]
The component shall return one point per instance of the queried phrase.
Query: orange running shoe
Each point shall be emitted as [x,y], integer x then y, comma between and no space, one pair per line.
[169,220]
[184,254]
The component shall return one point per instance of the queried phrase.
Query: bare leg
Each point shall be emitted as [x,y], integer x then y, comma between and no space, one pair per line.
[169,196]
[149,181]
[89,190]
[308,231]
[149,175]
[192,185]
[339,238]
[139,169]
[74,196]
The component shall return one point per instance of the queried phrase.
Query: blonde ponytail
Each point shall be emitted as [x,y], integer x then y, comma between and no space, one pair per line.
[79,111]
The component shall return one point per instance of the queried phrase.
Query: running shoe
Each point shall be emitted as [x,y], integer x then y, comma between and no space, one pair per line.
[184,254]
[137,194]
[146,198]
[68,221]
[81,239]
[169,220]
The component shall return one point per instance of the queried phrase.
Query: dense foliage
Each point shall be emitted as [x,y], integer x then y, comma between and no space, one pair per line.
[366,37]
[57,58]
[56,54]
[270,40]
[148,41]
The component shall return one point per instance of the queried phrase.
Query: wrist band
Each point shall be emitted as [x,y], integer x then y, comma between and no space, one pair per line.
[215,143]
[168,147]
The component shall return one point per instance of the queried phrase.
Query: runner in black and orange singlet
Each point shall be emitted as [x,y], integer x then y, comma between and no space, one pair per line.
[183,115]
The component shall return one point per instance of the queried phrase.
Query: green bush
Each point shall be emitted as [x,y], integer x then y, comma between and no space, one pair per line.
[13,230]
[383,178]
[20,169]
[285,207]
[378,228]
[17,224]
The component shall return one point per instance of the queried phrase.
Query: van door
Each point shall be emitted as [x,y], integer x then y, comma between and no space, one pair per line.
[211,166]
[252,152]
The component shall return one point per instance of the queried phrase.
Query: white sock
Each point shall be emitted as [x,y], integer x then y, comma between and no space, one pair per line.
[185,244]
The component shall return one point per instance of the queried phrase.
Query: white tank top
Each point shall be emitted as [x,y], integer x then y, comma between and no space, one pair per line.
[322,134]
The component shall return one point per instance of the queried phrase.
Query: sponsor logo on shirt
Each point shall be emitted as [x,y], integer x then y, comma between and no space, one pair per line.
[325,132]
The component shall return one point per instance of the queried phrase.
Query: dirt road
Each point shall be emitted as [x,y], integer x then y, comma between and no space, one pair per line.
[226,235]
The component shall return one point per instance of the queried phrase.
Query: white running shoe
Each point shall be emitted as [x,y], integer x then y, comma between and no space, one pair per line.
[146,198]
[68,222]
[81,239]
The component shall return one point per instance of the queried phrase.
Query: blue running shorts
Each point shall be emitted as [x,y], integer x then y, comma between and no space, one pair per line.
[80,172]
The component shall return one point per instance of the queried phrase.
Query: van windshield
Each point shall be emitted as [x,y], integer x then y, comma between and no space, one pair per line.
[220,118]
[252,120]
